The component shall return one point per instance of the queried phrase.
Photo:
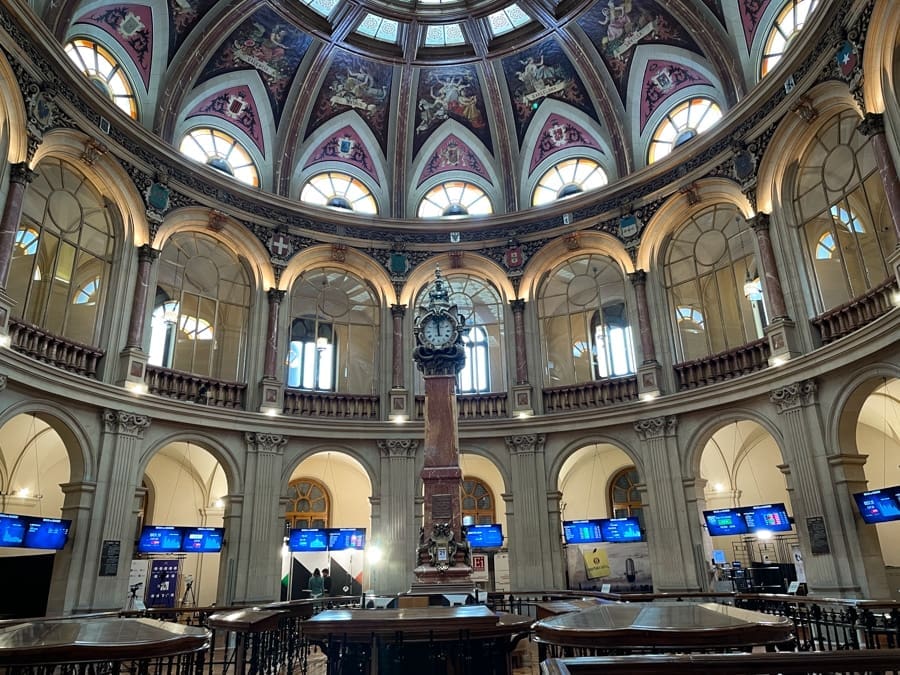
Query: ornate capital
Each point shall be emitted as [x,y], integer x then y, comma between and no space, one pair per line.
[656,427]
[127,423]
[759,222]
[146,253]
[400,448]
[271,443]
[525,443]
[794,396]
[275,296]
[871,125]
[398,311]
[447,361]
[20,173]
[517,305]
[637,278]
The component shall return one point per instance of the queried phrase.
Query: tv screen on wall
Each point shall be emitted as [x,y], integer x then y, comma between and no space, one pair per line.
[308,539]
[160,539]
[582,531]
[620,530]
[724,522]
[12,529]
[46,533]
[341,539]
[771,517]
[485,536]
[879,506]
[202,539]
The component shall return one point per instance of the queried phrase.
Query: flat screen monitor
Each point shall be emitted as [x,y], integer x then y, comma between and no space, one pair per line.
[620,530]
[202,539]
[879,506]
[771,517]
[485,536]
[160,539]
[12,529]
[47,533]
[308,539]
[718,557]
[582,531]
[725,522]
[341,539]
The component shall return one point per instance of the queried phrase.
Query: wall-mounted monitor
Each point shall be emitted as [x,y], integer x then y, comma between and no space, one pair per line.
[12,529]
[582,531]
[308,539]
[879,506]
[725,522]
[202,539]
[341,539]
[771,517]
[160,539]
[620,530]
[46,533]
[485,536]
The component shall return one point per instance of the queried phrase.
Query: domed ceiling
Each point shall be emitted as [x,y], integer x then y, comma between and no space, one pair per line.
[405,94]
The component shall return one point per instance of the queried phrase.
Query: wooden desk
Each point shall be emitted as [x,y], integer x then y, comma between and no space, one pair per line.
[545,610]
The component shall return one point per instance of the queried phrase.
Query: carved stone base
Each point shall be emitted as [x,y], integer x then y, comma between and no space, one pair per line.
[132,367]
[271,396]
[649,386]
[6,305]
[783,341]
[522,406]
[431,580]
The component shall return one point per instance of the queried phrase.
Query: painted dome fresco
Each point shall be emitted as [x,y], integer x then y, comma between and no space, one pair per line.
[419,109]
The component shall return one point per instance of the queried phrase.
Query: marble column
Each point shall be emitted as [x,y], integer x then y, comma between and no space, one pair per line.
[396,534]
[535,551]
[271,360]
[19,178]
[769,267]
[873,127]
[518,310]
[397,314]
[638,280]
[146,255]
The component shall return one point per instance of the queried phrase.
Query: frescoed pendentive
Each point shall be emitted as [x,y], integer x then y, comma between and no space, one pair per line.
[358,84]
[344,146]
[661,80]
[132,27]
[450,93]
[452,154]
[617,27]
[268,44]
[715,6]
[559,133]
[237,106]
[751,14]
[183,16]
[544,71]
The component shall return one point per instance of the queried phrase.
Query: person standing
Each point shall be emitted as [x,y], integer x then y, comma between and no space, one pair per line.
[326,581]
[316,584]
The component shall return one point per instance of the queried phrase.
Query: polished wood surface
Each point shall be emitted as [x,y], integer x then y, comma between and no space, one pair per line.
[545,610]
[74,640]
[664,625]
[246,620]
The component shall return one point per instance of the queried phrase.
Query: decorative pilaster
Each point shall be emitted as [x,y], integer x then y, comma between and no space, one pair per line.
[873,127]
[649,371]
[397,532]
[271,392]
[399,395]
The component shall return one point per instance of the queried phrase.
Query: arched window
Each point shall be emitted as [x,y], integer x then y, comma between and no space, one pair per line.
[99,66]
[624,497]
[199,322]
[456,199]
[309,504]
[62,260]
[708,264]
[340,191]
[220,151]
[569,177]
[477,502]
[681,124]
[475,375]
[788,23]
[333,344]
[845,221]
[585,331]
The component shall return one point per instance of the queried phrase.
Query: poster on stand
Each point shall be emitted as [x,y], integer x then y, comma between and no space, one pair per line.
[625,567]
[162,583]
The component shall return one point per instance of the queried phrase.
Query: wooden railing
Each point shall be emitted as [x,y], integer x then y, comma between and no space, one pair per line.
[330,404]
[490,405]
[840,321]
[53,349]
[590,394]
[743,360]
[194,388]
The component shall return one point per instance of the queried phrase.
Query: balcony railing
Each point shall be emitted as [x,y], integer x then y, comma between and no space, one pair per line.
[743,360]
[490,405]
[843,320]
[53,349]
[332,405]
[194,388]
[590,394]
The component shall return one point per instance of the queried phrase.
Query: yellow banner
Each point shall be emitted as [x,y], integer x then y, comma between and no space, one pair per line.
[596,563]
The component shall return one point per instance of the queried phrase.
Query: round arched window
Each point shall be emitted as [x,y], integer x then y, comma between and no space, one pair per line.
[570,177]
[339,191]
[455,199]
[99,66]
[217,149]
[681,124]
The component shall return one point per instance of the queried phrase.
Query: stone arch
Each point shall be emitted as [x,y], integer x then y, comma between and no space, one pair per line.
[696,442]
[12,110]
[882,43]
[572,447]
[845,413]
[472,263]
[294,457]
[214,446]
[469,448]
[360,264]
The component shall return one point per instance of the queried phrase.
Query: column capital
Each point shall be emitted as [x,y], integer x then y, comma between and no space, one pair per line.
[638,278]
[275,295]
[656,427]
[146,253]
[21,173]
[399,447]
[525,443]
[398,311]
[759,222]
[517,305]
[872,124]
[794,396]
[125,423]
[266,443]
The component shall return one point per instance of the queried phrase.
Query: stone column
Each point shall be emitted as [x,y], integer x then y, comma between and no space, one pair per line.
[781,330]
[670,533]
[19,178]
[396,534]
[257,570]
[873,127]
[68,565]
[521,391]
[535,551]
[133,359]
[649,385]
[398,409]
[271,391]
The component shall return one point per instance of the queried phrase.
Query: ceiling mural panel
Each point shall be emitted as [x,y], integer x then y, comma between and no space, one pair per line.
[344,146]
[183,16]
[544,71]
[268,44]
[453,155]
[715,6]
[358,84]
[132,27]
[450,93]
[751,14]
[237,106]
[560,133]
[661,80]
[618,26]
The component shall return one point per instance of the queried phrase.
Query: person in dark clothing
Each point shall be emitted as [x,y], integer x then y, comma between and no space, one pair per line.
[326,581]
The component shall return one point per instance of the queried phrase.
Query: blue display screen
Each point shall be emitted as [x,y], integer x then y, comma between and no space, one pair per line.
[160,539]
[723,522]
[485,536]
[341,539]
[618,530]
[772,517]
[49,533]
[202,539]
[12,529]
[308,539]
[582,531]
[879,506]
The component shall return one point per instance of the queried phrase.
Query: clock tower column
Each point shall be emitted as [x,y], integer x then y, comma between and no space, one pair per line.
[442,558]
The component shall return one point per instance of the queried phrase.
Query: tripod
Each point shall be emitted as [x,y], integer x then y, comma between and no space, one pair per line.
[133,602]
[188,599]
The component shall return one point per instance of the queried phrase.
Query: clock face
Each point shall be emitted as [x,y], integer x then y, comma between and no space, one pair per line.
[438,330]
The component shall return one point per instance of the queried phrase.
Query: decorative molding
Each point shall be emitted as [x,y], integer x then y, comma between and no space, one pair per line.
[126,423]
[871,125]
[399,448]
[21,174]
[656,427]
[275,296]
[525,443]
[267,443]
[794,396]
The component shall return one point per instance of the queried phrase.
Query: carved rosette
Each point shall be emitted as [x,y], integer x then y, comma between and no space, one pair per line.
[525,443]
[271,443]
[656,427]
[399,447]
[127,423]
[794,396]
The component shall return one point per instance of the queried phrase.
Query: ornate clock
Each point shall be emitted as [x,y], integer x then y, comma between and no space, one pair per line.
[438,331]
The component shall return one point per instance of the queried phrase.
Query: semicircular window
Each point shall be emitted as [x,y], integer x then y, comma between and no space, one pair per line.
[570,177]
[339,191]
[788,23]
[681,124]
[101,69]
[222,152]
[455,199]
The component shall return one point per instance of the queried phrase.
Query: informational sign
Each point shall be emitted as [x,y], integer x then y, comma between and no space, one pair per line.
[162,583]
[596,563]
[800,568]
[480,567]
[501,573]
[818,535]
[793,586]
[109,557]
